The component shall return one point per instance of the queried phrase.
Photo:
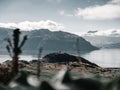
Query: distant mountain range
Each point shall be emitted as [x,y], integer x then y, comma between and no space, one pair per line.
[49,40]
[104,39]
[114,45]
[111,32]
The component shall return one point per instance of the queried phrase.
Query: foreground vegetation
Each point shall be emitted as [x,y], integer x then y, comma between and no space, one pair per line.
[61,81]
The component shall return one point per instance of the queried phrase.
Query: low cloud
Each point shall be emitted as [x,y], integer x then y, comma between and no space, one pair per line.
[111,10]
[109,32]
[115,2]
[27,25]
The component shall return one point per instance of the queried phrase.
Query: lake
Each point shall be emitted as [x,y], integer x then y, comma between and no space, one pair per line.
[102,57]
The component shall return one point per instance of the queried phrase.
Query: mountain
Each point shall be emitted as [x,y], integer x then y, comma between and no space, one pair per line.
[115,45]
[4,33]
[49,40]
[104,39]
[56,41]
[111,32]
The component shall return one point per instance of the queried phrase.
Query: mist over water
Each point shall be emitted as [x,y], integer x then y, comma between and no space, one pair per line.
[102,57]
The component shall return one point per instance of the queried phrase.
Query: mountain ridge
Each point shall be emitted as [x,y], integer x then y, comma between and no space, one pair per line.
[107,33]
[51,40]
[103,39]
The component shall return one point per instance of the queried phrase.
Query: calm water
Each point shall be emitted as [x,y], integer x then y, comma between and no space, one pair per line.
[103,57]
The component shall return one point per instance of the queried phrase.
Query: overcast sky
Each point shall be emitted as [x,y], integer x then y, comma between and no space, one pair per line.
[69,15]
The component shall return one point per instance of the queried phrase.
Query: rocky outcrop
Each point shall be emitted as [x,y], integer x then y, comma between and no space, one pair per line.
[64,57]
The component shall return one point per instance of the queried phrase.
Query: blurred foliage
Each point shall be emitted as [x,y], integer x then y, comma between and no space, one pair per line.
[62,81]
[14,49]
[39,61]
